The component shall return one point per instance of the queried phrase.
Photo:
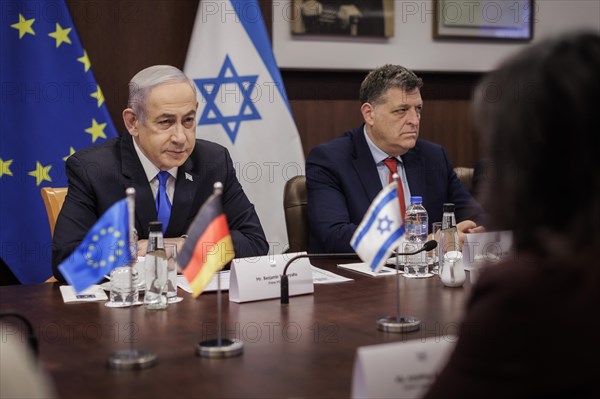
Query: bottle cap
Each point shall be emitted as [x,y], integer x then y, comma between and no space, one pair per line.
[448,207]
[155,226]
[416,199]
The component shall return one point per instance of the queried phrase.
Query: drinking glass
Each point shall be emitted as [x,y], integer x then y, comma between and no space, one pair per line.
[123,286]
[435,235]
[172,267]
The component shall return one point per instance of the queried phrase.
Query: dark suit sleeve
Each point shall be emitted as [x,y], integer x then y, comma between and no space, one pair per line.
[246,231]
[328,215]
[78,214]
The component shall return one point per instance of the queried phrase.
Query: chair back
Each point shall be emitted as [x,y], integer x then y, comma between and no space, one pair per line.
[53,199]
[296,213]
[466,176]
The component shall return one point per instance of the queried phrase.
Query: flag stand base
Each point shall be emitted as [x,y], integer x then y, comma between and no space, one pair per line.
[398,325]
[227,348]
[131,359]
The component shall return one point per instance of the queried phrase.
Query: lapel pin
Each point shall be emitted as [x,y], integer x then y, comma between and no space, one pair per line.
[188,176]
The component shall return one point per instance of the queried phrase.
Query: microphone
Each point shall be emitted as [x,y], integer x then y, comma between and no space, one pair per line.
[428,246]
[285,285]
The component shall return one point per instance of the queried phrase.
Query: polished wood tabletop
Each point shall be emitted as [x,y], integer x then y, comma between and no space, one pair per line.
[303,349]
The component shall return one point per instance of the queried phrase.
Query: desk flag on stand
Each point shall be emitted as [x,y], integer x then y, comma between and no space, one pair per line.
[243,105]
[208,246]
[381,229]
[105,247]
[50,107]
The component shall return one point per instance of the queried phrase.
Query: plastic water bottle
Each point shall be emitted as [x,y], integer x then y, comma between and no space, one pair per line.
[155,297]
[416,224]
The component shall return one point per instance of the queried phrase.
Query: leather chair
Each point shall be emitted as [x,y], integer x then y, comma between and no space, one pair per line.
[53,199]
[466,176]
[296,213]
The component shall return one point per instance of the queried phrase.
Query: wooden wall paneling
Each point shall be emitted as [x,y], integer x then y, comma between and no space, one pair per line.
[123,37]
[319,121]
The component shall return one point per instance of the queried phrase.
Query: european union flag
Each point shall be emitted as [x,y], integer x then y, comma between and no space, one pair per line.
[50,107]
[105,247]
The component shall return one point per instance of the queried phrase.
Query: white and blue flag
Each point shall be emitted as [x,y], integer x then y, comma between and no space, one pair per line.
[381,230]
[243,105]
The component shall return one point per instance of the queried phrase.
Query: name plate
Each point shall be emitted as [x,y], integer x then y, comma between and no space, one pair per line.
[258,278]
[489,247]
[399,369]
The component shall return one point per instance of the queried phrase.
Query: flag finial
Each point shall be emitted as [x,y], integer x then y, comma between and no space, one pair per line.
[218,188]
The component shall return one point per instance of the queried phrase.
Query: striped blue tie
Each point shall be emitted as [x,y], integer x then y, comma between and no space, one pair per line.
[163,205]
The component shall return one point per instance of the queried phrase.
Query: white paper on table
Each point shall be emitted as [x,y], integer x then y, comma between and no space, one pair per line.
[365,269]
[321,276]
[92,294]
[211,286]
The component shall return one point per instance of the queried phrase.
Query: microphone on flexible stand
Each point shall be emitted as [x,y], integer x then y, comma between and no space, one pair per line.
[399,323]
[285,284]
[428,246]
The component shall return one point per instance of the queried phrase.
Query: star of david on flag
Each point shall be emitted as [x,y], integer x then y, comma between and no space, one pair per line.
[381,229]
[242,105]
[50,107]
[217,109]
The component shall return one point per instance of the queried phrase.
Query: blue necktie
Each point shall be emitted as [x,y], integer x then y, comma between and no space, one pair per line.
[163,205]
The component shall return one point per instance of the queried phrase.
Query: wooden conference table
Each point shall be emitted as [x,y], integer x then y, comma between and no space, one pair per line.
[304,349]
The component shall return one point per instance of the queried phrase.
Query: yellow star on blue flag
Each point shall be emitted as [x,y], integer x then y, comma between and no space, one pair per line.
[105,247]
[45,108]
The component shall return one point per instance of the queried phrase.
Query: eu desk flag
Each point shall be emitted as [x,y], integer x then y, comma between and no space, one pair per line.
[50,107]
[381,229]
[104,247]
[243,105]
[208,246]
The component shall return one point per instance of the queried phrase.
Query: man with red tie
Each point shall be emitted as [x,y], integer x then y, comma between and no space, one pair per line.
[344,175]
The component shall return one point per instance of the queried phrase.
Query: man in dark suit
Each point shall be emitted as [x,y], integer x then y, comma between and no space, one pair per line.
[161,120]
[344,175]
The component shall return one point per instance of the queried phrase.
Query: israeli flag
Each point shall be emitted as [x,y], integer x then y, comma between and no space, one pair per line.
[243,106]
[381,230]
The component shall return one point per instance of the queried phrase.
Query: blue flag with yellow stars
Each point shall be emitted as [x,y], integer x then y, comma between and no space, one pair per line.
[104,247]
[50,107]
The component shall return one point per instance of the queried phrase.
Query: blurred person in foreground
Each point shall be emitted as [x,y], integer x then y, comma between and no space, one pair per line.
[531,325]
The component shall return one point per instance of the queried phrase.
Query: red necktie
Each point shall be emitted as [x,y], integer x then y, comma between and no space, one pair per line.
[392,164]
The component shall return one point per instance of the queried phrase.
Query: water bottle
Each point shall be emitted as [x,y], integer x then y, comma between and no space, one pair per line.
[416,223]
[155,297]
[452,272]
[448,218]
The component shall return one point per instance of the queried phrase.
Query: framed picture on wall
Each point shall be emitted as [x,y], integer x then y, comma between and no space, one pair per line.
[350,18]
[484,19]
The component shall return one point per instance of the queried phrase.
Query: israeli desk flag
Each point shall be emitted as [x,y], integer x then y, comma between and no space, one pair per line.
[381,229]
[243,105]
[50,107]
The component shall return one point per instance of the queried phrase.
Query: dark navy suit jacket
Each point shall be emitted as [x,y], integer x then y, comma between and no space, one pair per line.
[98,177]
[342,181]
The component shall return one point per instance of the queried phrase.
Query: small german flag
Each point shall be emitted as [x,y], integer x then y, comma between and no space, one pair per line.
[208,246]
